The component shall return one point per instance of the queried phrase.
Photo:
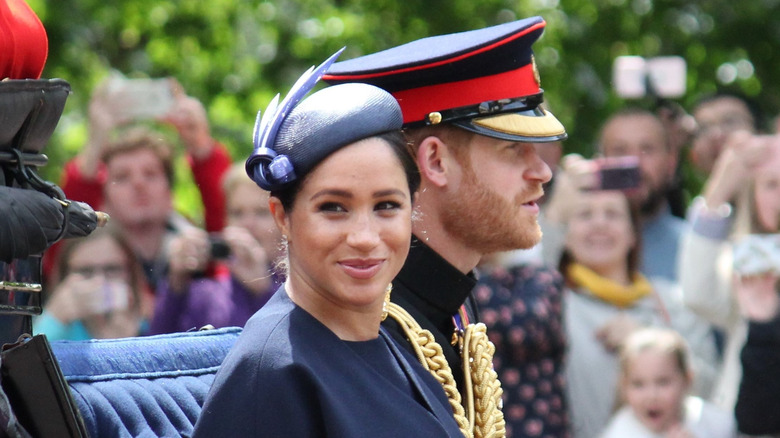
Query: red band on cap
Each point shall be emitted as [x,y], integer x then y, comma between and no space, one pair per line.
[417,103]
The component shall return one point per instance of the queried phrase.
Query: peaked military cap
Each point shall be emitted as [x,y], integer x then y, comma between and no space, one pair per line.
[484,81]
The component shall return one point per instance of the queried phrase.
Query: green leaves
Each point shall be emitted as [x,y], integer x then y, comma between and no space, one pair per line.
[235,55]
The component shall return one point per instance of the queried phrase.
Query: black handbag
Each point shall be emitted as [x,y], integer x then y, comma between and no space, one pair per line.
[37,391]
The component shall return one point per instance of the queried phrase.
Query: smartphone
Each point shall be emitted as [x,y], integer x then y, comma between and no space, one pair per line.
[756,254]
[138,99]
[635,77]
[616,173]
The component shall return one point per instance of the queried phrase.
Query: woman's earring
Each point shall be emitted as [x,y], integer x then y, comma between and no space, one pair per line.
[387,301]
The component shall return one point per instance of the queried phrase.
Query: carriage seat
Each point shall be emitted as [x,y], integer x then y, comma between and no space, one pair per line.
[151,386]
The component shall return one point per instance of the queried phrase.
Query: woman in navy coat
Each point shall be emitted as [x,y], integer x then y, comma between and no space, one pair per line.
[313,361]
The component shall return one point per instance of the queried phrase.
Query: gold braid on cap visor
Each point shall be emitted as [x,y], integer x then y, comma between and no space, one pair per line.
[484,418]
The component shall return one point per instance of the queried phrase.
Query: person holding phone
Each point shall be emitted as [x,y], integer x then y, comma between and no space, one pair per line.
[728,256]
[221,279]
[154,100]
[314,361]
[640,133]
[96,297]
[126,169]
[606,297]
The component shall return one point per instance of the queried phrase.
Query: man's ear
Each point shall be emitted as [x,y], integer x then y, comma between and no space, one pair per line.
[435,160]
[281,218]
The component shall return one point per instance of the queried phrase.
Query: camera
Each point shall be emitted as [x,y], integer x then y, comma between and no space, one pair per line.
[615,173]
[219,248]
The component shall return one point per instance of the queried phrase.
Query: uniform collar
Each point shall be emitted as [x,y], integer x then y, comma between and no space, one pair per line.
[434,280]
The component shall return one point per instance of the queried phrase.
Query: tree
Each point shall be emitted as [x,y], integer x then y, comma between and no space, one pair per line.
[235,55]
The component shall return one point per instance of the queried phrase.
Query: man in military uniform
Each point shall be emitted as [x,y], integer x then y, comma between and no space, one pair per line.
[471,106]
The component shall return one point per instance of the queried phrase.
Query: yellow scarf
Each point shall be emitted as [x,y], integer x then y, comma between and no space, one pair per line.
[608,290]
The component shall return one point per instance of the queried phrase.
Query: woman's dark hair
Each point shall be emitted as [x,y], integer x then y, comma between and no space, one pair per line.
[403,151]
[634,254]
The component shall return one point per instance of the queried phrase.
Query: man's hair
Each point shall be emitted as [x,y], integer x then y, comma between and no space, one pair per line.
[137,138]
[633,111]
[456,138]
[759,122]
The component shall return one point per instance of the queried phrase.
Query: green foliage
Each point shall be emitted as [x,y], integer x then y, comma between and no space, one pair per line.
[235,55]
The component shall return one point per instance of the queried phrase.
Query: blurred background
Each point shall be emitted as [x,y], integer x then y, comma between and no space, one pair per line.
[234,55]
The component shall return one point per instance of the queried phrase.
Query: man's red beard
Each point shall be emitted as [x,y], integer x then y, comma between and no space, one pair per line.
[481,219]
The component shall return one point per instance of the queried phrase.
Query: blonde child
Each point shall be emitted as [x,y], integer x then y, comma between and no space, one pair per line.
[654,384]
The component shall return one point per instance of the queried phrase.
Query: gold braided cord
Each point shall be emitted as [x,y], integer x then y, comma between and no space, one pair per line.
[431,356]
[484,393]
[483,389]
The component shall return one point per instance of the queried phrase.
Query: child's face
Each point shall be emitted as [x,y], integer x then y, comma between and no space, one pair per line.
[654,388]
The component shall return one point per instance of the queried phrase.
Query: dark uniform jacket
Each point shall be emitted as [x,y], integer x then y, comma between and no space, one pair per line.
[432,291]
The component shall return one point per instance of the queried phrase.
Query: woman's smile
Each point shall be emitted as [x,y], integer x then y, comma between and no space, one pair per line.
[361,269]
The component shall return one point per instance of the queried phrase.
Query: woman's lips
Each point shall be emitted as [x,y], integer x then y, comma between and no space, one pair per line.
[361,269]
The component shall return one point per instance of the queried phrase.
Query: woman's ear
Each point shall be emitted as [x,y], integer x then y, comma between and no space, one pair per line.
[281,218]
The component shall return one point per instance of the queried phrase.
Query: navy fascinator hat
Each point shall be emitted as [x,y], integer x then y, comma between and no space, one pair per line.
[293,137]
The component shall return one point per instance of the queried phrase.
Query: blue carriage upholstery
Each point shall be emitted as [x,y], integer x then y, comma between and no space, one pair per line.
[150,386]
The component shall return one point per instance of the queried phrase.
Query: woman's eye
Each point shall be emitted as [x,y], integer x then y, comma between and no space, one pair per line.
[332,207]
[387,205]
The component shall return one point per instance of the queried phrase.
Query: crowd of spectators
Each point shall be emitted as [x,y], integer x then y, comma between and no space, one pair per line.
[611,261]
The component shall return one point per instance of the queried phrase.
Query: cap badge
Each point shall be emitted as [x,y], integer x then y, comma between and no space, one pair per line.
[537,78]
[434,118]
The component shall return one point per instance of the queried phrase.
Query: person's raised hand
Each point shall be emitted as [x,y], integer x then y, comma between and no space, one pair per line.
[189,253]
[614,332]
[743,153]
[189,118]
[248,261]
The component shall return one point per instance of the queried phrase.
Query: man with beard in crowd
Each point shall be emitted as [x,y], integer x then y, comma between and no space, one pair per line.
[640,133]
[471,107]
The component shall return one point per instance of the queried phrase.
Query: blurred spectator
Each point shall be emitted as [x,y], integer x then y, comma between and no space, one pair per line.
[717,117]
[126,169]
[758,401]
[241,257]
[521,307]
[99,290]
[655,381]
[607,298]
[680,128]
[640,133]
[139,172]
[747,171]
[85,175]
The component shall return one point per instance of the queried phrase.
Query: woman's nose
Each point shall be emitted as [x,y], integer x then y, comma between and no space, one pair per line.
[363,232]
